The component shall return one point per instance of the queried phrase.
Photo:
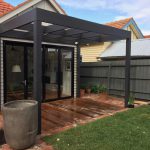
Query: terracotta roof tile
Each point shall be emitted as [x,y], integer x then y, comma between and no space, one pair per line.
[119,24]
[5,7]
[147,36]
[20,5]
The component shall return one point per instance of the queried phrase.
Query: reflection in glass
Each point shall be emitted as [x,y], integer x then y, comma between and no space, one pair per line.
[15,72]
[51,71]
[66,71]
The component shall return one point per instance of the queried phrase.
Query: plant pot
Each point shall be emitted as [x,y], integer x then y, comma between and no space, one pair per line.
[88,91]
[20,123]
[82,92]
[131,106]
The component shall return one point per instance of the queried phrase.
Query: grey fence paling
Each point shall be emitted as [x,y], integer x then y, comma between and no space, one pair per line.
[112,75]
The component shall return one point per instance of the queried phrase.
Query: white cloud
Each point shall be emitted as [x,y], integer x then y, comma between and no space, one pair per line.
[139,9]
[84,4]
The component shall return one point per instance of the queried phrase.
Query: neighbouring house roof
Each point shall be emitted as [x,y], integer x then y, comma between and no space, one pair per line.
[5,7]
[147,36]
[120,23]
[124,23]
[139,48]
[9,8]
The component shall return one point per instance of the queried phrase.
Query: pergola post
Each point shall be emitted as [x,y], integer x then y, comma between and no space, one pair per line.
[127,71]
[78,70]
[37,65]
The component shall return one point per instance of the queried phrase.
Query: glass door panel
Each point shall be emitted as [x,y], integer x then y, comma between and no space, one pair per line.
[14,72]
[51,73]
[66,73]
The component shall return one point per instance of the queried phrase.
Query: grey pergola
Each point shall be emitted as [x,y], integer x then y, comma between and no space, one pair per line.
[64,30]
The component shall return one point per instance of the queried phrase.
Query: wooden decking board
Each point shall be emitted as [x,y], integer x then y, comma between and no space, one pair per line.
[60,113]
[54,119]
[68,112]
[64,113]
[93,108]
[77,109]
[59,116]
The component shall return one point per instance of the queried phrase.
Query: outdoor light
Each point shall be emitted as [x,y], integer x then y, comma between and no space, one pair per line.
[67,29]
[45,24]
[76,43]
[16,69]
[20,30]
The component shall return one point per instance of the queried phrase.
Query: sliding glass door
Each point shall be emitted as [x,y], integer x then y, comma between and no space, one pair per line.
[50,73]
[14,77]
[66,73]
[58,73]
[18,72]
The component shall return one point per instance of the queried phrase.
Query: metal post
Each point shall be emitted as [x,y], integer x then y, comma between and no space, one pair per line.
[37,83]
[78,70]
[127,71]
[109,78]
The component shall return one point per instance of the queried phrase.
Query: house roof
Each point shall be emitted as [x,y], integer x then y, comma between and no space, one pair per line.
[139,47]
[120,23]
[147,36]
[11,8]
[5,7]
[124,23]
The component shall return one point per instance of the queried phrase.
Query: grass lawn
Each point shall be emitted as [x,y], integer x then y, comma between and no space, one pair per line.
[124,131]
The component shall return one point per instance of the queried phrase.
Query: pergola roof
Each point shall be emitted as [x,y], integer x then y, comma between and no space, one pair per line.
[57,28]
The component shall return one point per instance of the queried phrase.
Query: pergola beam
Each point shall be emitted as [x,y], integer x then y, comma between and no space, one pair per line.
[127,71]
[71,22]
[18,21]
[37,65]
[78,70]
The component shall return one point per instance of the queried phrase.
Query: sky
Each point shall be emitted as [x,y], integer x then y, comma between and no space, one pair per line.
[102,11]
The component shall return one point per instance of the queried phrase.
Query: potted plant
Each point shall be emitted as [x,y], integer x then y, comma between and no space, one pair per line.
[95,89]
[103,89]
[88,89]
[131,102]
[82,90]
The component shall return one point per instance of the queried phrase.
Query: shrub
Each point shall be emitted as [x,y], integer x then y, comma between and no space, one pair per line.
[95,89]
[98,89]
[131,99]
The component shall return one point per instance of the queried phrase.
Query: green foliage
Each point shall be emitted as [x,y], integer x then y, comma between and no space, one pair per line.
[98,89]
[102,89]
[131,100]
[95,89]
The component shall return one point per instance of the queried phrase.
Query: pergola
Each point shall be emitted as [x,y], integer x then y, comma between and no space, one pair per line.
[40,26]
